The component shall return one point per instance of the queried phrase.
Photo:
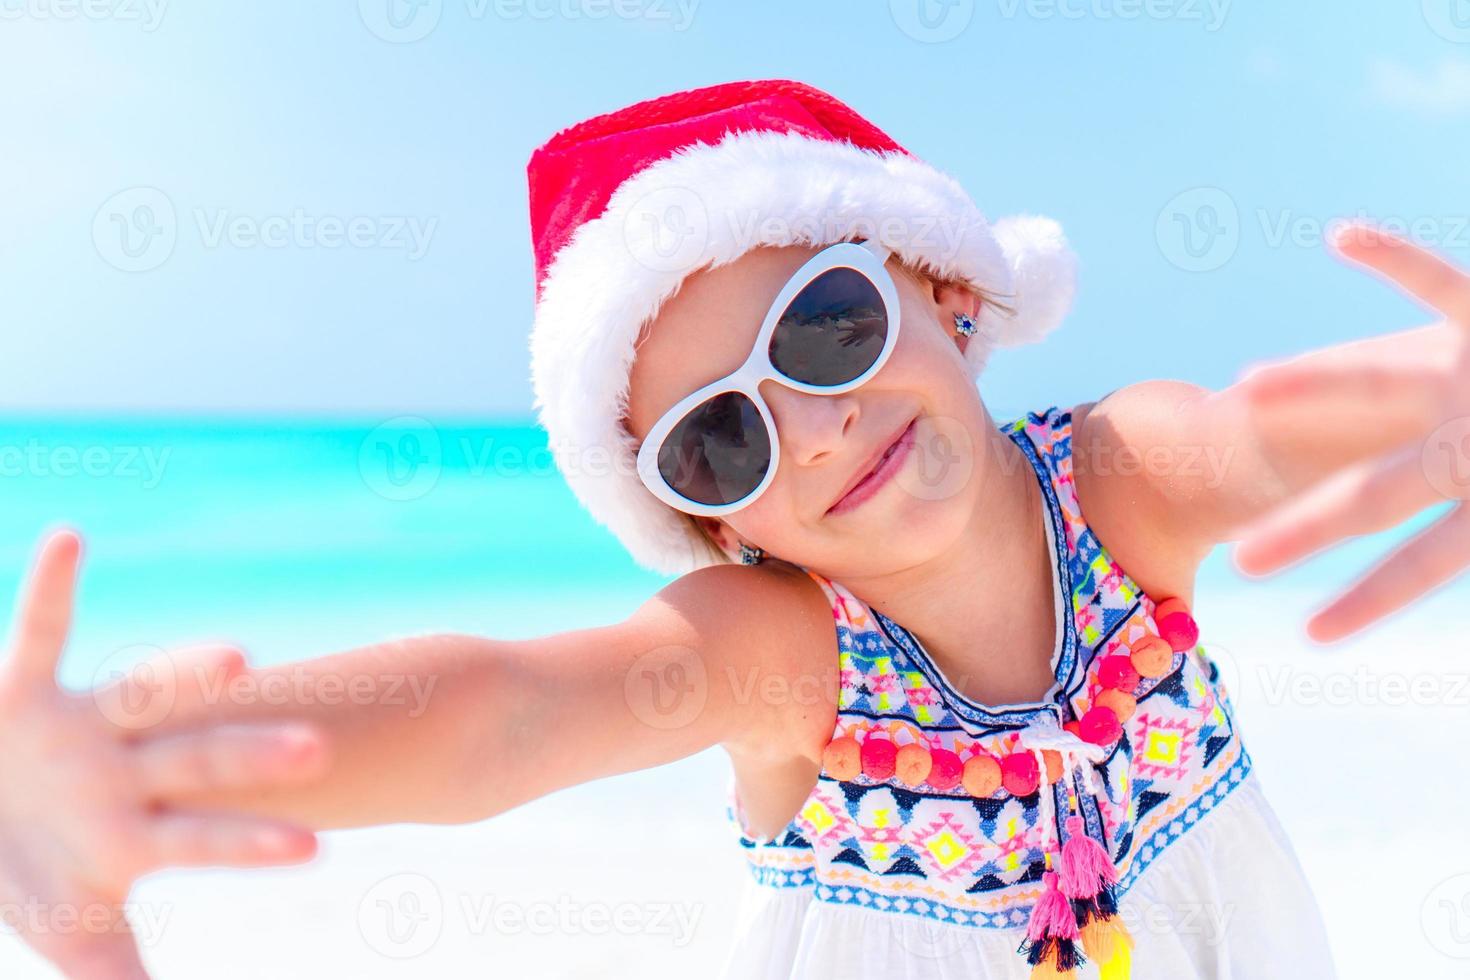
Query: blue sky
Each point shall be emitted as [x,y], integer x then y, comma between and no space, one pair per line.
[1248,126]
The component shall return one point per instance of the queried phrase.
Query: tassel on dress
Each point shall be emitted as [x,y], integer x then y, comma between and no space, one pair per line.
[1087,879]
[1051,935]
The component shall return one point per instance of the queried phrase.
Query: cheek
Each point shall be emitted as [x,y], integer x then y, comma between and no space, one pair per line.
[771,518]
[929,364]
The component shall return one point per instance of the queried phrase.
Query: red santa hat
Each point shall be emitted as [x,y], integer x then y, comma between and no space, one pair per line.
[625,205]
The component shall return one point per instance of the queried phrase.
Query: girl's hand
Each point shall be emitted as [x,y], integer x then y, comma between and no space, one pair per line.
[78,817]
[1429,394]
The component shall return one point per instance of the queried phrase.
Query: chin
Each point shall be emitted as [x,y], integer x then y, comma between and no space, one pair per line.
[915,529]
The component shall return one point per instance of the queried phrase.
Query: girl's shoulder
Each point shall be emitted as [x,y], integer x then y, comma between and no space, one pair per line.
[769,649]
[1125,449]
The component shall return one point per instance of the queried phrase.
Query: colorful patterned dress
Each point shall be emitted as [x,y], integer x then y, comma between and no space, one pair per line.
[880,878]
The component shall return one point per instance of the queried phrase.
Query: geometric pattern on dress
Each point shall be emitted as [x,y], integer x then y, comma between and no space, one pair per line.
[943,855]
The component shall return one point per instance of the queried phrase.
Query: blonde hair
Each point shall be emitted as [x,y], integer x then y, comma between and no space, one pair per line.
[717,555]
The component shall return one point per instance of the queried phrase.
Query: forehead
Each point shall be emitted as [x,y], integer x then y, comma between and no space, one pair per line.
[706,330]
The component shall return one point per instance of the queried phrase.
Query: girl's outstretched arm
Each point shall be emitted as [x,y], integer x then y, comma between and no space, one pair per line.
[451,729]
[1300,455]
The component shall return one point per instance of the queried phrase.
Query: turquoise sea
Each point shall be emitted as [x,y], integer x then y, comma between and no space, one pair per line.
[295,538]
[299,538]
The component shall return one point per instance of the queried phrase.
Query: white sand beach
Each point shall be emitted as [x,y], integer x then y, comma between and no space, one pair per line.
[1359,748]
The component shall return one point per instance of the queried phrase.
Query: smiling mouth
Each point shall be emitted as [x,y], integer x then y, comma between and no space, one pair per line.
[879,473]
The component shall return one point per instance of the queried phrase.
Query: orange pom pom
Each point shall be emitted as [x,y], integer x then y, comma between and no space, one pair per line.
[913,765]
[1152,657]
[842,759]
[1120,703]
[981,776]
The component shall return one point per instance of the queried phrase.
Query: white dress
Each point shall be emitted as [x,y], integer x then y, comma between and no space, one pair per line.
[883,876]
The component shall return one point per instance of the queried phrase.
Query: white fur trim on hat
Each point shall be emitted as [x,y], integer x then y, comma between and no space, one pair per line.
[707,205]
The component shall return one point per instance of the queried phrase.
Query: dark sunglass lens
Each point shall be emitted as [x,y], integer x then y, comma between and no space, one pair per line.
[833,330]
[719,452]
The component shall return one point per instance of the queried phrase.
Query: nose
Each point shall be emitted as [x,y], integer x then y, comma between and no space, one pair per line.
[812,427]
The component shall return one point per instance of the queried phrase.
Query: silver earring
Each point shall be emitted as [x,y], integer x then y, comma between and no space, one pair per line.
[965,325]
[750,555]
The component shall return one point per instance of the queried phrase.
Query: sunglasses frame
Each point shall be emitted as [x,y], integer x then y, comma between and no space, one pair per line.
[866,258]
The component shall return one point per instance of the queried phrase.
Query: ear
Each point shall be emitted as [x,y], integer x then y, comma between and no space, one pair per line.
[951,300]
[721,533]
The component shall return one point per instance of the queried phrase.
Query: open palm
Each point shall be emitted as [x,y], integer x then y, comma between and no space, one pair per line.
[79,817]
[1431,466]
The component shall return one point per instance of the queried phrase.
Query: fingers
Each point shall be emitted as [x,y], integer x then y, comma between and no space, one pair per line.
[1362,500]
[1391,396]
[230,757]
[203,673]
[209,840]
[1417,271]
[44,613]
[172,688]
[1423,563]
[1297,380]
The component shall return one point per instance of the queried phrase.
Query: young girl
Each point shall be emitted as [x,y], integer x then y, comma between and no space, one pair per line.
[985,740]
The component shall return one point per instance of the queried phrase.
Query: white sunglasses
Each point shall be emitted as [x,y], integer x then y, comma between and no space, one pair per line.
[830,328]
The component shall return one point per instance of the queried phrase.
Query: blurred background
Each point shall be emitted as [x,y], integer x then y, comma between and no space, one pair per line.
[266,281]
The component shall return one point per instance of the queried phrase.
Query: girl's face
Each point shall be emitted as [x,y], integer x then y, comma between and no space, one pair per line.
[912,509]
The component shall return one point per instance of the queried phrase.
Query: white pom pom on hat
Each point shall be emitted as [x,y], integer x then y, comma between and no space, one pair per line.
[624,206]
